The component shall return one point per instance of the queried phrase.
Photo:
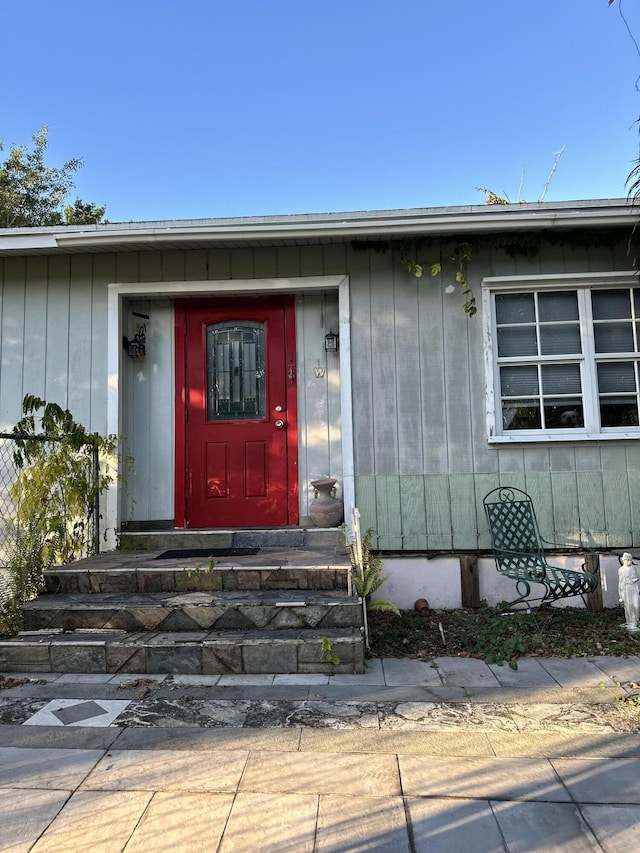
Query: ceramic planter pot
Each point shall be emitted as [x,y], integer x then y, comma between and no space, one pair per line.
[326,510]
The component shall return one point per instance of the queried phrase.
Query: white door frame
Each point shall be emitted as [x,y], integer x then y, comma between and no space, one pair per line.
[117,292]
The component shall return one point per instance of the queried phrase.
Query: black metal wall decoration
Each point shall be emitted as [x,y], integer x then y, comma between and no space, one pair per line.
[136,346]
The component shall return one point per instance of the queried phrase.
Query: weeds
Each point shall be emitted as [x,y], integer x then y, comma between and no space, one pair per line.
[481,633]
[198,573]
[328,653]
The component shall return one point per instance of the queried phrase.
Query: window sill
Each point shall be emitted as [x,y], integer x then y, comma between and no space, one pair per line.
[563,437]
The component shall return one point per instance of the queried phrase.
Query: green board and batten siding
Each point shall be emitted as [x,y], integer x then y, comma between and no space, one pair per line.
[422,461]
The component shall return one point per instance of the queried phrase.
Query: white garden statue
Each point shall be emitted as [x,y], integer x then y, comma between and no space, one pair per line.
[629,592]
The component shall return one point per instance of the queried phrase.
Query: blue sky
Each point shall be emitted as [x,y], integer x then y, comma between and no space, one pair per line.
[197,108]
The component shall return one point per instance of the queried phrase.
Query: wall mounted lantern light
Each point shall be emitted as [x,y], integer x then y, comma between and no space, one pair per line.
[331,342]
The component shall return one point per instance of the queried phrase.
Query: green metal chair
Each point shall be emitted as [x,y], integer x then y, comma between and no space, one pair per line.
[518,549]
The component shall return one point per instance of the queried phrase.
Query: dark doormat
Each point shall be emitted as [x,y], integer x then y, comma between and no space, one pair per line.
[179,553]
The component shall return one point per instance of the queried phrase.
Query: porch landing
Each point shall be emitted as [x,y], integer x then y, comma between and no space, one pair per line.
[286,606]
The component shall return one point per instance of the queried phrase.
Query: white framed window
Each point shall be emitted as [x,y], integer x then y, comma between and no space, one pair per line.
[562,357]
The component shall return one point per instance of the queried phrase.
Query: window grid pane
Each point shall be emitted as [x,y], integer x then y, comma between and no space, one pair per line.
[611,304]
[524,414]
[619,412]
[618,393]
[558,306]
[615,319]
[560,339]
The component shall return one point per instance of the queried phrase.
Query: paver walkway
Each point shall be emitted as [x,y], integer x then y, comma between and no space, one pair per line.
[452,756]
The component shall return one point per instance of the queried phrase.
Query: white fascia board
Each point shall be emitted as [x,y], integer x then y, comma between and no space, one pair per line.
[20,241]
[372,224]
[435,222]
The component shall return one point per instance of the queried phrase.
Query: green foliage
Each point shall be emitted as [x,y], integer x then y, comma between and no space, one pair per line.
[56,488]
[498,639]
[368,577]
[525,245]
[33,193]
[514,245]
[198,573]
[493,198]
[327,652]
[459,258]
[24,579]
[483,633]
[416,269]
[55,493]
[83,213]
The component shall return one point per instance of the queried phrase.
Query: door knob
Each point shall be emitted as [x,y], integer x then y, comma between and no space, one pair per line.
[279,424]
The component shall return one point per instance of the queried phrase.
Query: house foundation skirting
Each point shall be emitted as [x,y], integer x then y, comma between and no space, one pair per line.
[444,580]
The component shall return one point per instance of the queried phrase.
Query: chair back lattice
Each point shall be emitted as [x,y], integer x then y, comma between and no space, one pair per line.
[515,537]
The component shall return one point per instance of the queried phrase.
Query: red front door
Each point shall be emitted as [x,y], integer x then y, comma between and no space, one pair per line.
[238,414]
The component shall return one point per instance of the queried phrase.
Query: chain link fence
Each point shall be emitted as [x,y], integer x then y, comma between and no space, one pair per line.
[83,533]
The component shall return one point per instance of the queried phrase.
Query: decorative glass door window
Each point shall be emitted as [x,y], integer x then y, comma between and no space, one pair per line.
[235,371]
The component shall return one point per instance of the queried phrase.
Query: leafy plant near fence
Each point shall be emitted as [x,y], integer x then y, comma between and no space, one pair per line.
[58,483]
[55,494]
[23,579]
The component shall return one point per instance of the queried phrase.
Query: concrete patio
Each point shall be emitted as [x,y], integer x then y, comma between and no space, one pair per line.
[451,755]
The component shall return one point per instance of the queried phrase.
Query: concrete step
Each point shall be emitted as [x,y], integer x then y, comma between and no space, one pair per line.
[336,650]
[268,569]
[195,611]
[287,537]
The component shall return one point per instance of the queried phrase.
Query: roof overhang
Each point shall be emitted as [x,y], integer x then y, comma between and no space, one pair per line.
[310,229]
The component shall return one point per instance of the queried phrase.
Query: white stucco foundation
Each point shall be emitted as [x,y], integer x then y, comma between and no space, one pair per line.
[438,580]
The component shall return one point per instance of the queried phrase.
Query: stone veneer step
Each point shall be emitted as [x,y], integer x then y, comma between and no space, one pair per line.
[255,652]
[289,537]
[194,611]
[270,569]
[221,579]
[287,608]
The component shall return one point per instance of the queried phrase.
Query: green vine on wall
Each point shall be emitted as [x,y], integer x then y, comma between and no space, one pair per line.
[459,258]
[467,247]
